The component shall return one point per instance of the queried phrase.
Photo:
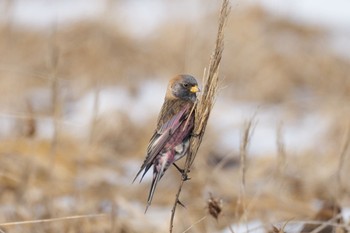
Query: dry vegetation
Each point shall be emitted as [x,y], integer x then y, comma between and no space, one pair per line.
[83,184]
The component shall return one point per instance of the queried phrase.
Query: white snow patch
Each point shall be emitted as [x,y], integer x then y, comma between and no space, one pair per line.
[255,226]
[298,133]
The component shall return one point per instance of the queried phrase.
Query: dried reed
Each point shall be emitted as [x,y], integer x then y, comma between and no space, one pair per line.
[281,151]
[342,158]
[246,138]
[53,219]
[206,101]
[54,85]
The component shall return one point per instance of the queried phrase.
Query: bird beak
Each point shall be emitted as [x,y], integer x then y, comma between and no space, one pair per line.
[195,89]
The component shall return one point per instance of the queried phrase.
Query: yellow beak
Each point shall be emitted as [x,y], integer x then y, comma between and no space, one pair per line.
[195,89]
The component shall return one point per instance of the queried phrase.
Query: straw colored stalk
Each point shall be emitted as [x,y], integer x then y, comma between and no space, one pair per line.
[206,102]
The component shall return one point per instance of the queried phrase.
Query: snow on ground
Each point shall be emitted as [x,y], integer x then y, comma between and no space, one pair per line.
[298,133]
[255,226]
[228,119]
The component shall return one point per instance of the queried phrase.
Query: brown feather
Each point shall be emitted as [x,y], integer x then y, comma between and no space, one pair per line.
[169,92]
[169,109]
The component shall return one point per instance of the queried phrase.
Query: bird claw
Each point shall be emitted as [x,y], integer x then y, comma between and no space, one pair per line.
[183,173]
[185,177]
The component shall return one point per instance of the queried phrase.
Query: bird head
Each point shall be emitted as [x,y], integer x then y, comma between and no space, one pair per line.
[183,87]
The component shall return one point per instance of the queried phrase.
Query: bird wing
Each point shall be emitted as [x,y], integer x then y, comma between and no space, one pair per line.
[160,137]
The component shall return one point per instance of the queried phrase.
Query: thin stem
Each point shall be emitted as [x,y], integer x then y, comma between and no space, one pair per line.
[206,101]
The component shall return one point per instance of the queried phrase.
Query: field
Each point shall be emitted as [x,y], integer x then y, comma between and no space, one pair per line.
[79,104]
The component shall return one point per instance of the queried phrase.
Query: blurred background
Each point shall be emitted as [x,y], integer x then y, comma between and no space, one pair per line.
[82,82]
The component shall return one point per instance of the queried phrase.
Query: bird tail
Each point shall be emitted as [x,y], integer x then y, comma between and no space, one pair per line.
[157,175]
[154,184]
[137,176]
[145,168]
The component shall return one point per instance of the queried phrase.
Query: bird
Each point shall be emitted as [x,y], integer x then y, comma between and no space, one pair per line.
[171,138]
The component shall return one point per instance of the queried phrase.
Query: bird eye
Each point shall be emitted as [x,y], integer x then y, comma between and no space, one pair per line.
[185,85]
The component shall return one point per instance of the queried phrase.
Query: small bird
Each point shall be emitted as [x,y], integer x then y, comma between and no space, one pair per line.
[171,139]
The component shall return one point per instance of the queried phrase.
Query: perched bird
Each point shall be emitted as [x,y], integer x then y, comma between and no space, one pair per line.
[171,139]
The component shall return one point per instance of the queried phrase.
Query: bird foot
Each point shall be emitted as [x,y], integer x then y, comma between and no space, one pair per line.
[185,176]
[183,173]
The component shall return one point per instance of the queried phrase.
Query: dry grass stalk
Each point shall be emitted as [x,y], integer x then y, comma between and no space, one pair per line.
[53,66]
[281,150]
[343,153]
[74,217]
[344,226]
[6,11]
[230,228]
[326,224]
[248,131]
[330,213]
[30,125]
[206,101]
[279,230]
[55,103]
[113,216]
[190,227]
[95,110]
[276,230]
